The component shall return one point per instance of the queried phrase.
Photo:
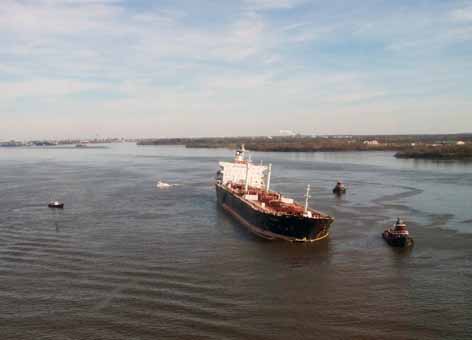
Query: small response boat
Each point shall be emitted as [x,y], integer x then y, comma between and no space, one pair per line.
[56,204]
[339,189]
[398,236]
[162,185]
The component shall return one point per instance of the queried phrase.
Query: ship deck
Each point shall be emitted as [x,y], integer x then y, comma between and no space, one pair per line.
[271,202]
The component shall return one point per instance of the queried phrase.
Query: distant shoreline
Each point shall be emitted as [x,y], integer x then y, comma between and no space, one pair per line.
[448,147]
[54,147]
[443,152]
[432,147]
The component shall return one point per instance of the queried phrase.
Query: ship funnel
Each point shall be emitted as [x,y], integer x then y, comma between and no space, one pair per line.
[240,154]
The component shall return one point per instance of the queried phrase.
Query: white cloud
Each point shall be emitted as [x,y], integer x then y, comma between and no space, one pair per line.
[462,14]
[169,66]
[272,4]
[44,88]
[52,17]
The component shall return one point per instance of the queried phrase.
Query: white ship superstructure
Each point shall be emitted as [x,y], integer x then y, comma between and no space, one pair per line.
[242,171]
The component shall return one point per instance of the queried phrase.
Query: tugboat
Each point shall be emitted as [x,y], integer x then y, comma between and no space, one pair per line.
[243,191]
[56,204]
[339,189]
[398,236]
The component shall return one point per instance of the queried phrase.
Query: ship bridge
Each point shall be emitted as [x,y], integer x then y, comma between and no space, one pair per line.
[240,173]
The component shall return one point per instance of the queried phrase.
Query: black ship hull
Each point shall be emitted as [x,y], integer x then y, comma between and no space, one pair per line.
[270,226]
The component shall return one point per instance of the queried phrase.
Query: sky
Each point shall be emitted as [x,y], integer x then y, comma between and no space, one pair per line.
[143,68]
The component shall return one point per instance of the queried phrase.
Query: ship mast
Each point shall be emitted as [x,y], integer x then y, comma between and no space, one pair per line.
[246,183]
[307,197]
[268,178]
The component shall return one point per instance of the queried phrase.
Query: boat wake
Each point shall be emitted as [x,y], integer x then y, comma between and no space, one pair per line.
[164,185]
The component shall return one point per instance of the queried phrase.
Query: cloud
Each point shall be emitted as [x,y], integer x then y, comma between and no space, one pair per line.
[262,60]
[463,14]
[271,4]
[106,41]
[53,17]
[46,88]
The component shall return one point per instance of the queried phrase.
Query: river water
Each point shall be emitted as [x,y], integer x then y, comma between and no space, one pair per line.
[126,260]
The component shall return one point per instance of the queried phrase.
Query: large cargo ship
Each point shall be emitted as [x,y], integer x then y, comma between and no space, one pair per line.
[243,190]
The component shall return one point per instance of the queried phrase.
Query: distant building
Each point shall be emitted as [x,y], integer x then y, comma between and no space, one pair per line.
[288,132]
[371,142]
[11,143]
[460,143]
